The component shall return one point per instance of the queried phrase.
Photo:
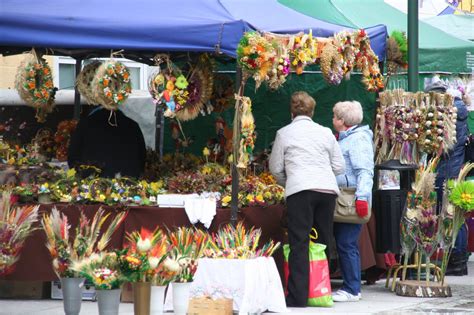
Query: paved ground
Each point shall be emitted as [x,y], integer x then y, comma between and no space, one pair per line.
[376,300]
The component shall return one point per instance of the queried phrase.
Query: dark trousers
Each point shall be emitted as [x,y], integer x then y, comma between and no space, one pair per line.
[306,209]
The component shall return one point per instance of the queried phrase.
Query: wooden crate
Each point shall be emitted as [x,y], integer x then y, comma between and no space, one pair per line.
[207,306]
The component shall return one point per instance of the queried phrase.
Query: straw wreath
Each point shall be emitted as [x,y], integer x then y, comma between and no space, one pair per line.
[111,84]
[199,89]
[84,81]
[331,64]
[34,83]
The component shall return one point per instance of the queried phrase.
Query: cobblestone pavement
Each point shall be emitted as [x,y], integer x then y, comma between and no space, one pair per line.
[376,300]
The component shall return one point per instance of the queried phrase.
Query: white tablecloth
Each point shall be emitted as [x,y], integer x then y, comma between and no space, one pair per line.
[253,284]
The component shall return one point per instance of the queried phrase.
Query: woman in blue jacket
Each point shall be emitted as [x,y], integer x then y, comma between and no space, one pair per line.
[356,143]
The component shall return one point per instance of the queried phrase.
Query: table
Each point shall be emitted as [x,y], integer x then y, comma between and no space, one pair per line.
[35,262]
[253,284]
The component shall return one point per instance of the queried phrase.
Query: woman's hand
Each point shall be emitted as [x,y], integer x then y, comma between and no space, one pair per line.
[362,208]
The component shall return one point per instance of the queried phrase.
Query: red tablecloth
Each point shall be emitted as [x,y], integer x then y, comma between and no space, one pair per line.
[35,262]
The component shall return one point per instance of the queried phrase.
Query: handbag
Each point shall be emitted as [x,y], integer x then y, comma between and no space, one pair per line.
[345,210]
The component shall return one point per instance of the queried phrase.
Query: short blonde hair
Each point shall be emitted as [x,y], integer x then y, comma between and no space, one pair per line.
[302,104]
[349,111]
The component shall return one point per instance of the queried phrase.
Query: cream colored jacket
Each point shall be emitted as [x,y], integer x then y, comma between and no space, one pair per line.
[306,156]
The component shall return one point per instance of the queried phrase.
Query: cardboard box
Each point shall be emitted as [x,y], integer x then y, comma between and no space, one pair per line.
[127,293]
[88,291]
[24,289]
[173,200]
[205,305]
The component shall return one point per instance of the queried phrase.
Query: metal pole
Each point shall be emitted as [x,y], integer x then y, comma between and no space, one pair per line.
[413,45]
[77,96]
[159,130]
[234,204]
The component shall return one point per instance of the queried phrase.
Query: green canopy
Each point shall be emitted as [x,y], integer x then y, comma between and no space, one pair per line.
[439,51]
[461,26]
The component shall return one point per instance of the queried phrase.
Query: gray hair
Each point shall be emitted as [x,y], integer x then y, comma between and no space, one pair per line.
[349,111]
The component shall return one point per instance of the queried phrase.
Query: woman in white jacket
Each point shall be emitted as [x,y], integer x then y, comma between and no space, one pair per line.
[306,159]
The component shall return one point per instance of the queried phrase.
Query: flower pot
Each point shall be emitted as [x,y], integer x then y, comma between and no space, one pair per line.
[141,298]
[157,299]
[181,297]
[72,295]
[108,301]
[44,199]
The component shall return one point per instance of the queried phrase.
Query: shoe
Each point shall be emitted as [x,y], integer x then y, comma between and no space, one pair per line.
[343,296]
[360,296]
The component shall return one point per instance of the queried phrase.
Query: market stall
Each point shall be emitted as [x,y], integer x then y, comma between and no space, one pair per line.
[181,92]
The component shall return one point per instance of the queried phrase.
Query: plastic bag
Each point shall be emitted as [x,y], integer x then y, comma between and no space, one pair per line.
[319,293]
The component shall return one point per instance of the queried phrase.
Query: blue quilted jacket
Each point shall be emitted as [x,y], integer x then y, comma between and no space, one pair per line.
[357,148]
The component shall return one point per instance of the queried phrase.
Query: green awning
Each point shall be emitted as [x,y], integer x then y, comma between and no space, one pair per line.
[439,51]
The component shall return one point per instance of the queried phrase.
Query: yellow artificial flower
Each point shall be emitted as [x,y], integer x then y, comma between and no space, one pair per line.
[259,198]
[101,198]
[71,173]
[226,200]
[267,195]
[206,151]
[250,197]
[156,185]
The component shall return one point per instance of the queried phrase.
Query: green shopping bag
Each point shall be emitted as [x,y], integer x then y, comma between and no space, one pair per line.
[319,293]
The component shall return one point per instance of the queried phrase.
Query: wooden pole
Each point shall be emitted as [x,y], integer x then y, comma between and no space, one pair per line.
[234,204]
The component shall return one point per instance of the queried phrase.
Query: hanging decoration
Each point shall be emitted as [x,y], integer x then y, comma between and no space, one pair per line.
[247,131]
[332,64]
[200,78]
[111,84]
[269,57]
[396,52]
[84,81]
[168,86]
[34,84]
[303,51]
[256,56]
[346,46]
[281,64]
[367,62]
[410,126]
[183,94]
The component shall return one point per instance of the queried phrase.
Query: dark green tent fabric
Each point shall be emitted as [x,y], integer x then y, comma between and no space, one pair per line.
[271,109]
[439,51]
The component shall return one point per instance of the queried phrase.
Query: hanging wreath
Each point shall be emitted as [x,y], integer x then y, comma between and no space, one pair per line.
[331,64]
[247,132]
[303,51]
[84,81]
[34,83]
[281,64]
[223,92]
[199,88]
[345,44]
[256,55]
[168,87]
[367,61]
[111,84]
[182,96]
